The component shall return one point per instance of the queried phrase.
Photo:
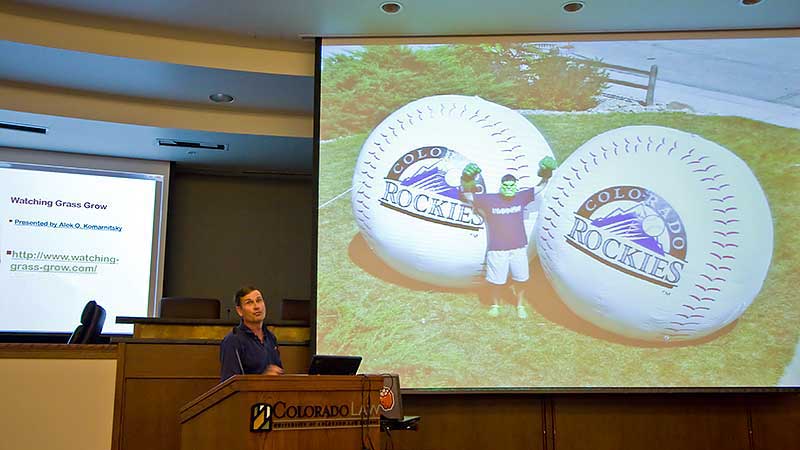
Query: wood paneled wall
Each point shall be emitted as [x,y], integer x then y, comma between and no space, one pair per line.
[224,232]
[762,421]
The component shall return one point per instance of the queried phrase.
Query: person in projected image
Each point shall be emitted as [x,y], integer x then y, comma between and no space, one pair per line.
[250,348]
[507,246]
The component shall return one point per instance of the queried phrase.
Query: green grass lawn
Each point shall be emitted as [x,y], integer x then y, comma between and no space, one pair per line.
[436,338]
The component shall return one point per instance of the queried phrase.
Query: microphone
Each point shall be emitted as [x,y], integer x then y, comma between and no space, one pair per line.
[236,350]
[238,358]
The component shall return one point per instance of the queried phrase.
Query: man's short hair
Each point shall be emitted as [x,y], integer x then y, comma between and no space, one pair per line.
[237,297]
[508,177]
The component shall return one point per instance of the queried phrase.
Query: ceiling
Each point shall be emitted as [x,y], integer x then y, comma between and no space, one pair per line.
[290,19]
[145,69]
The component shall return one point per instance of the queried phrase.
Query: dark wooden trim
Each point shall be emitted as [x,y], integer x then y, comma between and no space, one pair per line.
[58,351]
[750,432]
[118,397]
[561,391]
[548,424]
[133,340]
[203,402]
[551,412]
[149,341]
[170,377]
[222,322]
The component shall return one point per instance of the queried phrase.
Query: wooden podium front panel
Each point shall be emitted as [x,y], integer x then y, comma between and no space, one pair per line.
[222,419]
[159,377]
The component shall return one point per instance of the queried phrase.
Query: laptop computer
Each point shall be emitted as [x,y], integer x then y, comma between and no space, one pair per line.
[334,365]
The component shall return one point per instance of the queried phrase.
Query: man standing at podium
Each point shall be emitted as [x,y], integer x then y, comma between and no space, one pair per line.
[250,348]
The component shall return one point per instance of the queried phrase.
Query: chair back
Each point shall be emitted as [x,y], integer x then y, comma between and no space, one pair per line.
[93,318]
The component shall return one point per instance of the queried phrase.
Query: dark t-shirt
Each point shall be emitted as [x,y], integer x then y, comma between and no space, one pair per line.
[255,355]
[504,218]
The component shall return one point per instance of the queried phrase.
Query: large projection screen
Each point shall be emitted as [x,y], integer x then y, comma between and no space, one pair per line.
[661,252]
[75,228]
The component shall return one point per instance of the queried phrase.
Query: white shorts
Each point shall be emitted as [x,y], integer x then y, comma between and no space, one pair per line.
[498,263]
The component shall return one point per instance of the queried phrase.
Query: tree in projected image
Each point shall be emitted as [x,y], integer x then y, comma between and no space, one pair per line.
[518,76]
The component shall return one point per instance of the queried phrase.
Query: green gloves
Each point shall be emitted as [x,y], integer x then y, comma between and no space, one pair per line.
[471,171]
[546,167]
[468,177]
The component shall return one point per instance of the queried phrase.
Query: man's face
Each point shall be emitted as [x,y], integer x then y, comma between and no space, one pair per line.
[251,308]
[508,189]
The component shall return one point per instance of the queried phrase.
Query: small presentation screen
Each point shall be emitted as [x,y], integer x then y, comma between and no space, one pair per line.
[70,235]
[514,213]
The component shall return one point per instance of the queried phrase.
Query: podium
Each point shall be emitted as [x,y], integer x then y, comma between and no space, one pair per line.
[268,412]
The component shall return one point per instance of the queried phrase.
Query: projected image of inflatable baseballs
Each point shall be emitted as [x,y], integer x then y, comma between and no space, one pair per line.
[405,184]
[655,234]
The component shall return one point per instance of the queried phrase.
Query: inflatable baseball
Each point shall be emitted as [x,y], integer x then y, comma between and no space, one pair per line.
[405,194]
[655,234]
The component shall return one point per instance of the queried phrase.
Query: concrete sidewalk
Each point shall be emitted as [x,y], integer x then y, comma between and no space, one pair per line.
[754,78]
[703,101]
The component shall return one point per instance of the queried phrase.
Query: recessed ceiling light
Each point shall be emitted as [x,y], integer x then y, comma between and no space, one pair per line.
[572,7]
[751,2]
[219,97]
[391,7]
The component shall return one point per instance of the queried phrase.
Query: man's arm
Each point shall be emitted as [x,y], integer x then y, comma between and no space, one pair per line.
[546,167]
[468,183]
[274,365]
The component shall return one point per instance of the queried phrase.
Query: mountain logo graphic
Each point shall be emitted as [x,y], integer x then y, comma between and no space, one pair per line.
[424,183]
[633,230]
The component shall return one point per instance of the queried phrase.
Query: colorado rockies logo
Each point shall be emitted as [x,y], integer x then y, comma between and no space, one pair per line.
[424,182]
[633,230]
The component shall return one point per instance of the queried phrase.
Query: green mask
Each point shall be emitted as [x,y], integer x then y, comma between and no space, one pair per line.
[508,189]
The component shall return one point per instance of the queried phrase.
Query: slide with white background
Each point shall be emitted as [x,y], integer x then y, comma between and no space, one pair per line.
[67,238]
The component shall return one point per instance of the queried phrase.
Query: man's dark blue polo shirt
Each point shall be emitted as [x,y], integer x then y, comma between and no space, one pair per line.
[255,356]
